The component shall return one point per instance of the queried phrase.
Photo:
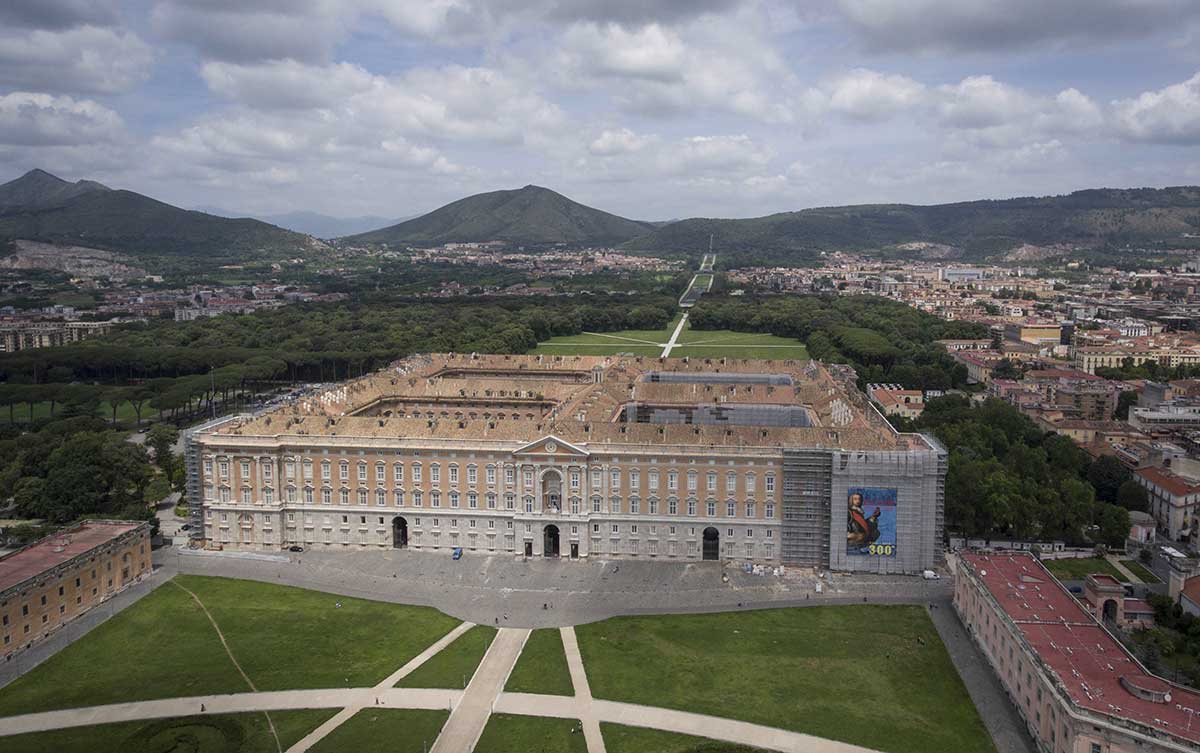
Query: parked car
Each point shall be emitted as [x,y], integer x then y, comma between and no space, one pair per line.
[457,553]
[295,548]
[185,527]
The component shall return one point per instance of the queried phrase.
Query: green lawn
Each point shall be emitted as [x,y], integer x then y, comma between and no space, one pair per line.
[385,730]
[1141,571]
[163,646]
[692,343]
[507,733]
[619,738]
[125,412]
[216,733]
[453,666]
[853,673]
[1078,569]
[542,667]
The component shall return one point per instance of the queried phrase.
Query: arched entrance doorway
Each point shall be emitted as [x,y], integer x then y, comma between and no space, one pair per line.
[712,544]
[1110,611]
[550,541]
[399,533]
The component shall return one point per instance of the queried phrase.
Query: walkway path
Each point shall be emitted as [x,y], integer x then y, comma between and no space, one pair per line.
[1129,574]
[675,335]
[583,692]
[382,688]
[470,715]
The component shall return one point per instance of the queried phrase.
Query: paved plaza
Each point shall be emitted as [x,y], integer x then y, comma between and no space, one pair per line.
[516,595]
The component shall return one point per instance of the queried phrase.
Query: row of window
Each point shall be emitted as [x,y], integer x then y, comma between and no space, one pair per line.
[575,477]
[455,499]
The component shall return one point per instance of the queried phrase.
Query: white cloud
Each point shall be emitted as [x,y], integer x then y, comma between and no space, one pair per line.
[83,59]
[1170,115]
[251,30]
[286,83]
[869,95]
[31,119]
[619,141]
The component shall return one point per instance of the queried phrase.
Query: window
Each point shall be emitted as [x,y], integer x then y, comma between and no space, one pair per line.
[435,473]
[362,496]
[769,511]
[510,475]
[381,497]
[269,496]
[749,509]
[614,479]
[398,473]
[672,480]
[730,509]
[691,481]
[223,467]
[472,474]
[362,472]
[731,483]
[596,504]
[491,474]
[266,470]
[691,507]
[245,469]
[712,509]
[398,497]
[510,501]
[653,479]
[454,474]
[491,500]
[770,481]
[416,473]
[574,505]
[326,496]
[711,482]
[596,478]
[454,499]
[418,498]
[528,504]
[575,479]
[614,505]
[472,500]
[634,505]
[245,495]
[751,482]
[528,475]
[380,473]
[672,506]
[652,506]
[344,495]
[435,498]
[344,471]
[325,470]
[635,478]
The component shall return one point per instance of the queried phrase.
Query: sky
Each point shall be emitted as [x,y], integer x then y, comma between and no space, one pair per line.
[652,109]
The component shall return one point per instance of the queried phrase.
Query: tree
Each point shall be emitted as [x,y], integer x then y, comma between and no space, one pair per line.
[1126,400]
[1107,474]
[1006,369]
[161,438]
[1133,497]
[1114,525]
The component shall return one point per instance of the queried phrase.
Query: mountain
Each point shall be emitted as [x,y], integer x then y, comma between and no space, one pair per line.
[1091,218]
[314,223]
[41,207]
[528,215]
[38,188]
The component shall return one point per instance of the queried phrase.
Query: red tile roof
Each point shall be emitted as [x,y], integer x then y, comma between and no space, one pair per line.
[1164,479]
[1088,662]
[51,551]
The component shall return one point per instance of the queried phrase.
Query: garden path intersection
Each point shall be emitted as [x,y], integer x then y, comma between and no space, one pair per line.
[515,595]
[469,713]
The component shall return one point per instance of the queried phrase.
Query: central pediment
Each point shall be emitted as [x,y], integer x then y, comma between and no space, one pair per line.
[551,446]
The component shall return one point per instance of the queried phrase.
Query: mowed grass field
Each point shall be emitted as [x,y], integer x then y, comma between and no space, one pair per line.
[507,733]
[542,666]
[691,343]
[212,733]
[164,646]
[378,730]
[453,666]
[876,676]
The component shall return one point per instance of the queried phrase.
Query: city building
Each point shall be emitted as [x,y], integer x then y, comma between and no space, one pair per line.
[47,334]
[763,461]
[1076,687]
[1174,497]
[894,400]
[54,580]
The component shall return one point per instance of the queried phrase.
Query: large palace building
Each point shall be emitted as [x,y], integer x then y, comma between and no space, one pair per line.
[572,456]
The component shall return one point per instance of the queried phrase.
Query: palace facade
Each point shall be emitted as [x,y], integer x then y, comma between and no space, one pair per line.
[613,457]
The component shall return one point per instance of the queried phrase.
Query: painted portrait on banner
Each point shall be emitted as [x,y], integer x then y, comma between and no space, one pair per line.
[871,522]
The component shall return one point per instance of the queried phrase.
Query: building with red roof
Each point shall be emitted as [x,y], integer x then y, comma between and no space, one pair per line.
[1077,688]
[50,582]
[1174,500]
